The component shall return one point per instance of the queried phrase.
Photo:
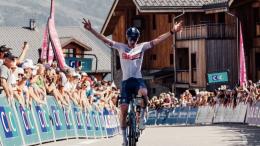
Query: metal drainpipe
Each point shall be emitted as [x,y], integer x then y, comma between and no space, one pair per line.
[173,47]
[112,64]
[237,44]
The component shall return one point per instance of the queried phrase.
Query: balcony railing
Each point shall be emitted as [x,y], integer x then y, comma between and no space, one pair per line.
[182,76]
[206,31]
[258,29]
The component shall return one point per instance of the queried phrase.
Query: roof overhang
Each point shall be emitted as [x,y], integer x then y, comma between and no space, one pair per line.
[73,40]
[167,9]
[110,14]
[216,10]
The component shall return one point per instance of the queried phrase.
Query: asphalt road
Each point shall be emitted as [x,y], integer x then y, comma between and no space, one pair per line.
[216,135]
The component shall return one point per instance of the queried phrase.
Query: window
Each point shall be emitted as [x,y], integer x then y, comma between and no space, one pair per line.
[154,22]
[171,59]
[69,52]
[193,61]
[193,68]
[182,58]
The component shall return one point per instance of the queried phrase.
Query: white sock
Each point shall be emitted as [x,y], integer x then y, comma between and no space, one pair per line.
[142,114]
[124,134]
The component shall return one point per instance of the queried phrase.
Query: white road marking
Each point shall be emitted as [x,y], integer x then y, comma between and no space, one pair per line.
[88,141]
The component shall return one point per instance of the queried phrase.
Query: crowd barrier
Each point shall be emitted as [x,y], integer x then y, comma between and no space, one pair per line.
[170,116]
[253,114]
[242,113]
[47,123]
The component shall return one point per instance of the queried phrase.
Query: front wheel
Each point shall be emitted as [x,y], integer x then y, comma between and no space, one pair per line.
[132,131]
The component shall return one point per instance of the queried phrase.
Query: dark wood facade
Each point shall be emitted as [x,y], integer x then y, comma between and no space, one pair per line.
[248,13]
[206,44]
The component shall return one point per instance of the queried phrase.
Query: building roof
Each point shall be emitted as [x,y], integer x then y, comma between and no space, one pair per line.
[177,5]
[15,36]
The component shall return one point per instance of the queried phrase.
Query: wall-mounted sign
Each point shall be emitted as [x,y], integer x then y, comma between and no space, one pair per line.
[73,62]
[217,77]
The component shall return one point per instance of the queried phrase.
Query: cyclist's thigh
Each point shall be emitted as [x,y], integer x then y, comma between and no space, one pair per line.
[141,87]
[125,97]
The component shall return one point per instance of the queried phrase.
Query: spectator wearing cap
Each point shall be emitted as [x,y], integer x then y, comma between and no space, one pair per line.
[6,75]
[3,51]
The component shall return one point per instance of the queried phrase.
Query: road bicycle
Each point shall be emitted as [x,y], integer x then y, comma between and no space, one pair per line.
[132,126]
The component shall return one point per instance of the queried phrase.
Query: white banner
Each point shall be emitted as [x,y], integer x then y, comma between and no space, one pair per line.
[205,115]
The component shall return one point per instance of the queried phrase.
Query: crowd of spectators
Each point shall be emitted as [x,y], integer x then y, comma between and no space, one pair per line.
[25,81]
[248,93]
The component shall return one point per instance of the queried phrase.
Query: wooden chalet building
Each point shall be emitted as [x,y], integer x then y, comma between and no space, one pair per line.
[208,42]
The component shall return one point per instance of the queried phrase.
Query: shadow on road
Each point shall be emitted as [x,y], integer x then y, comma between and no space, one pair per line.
[251,134]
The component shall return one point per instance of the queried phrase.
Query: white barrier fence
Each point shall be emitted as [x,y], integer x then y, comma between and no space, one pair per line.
[222,114]
[206,115]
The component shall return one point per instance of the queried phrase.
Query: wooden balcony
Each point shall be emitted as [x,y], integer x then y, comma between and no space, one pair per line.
[207,31]
[182,76]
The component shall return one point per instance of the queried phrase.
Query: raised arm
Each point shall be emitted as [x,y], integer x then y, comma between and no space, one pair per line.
[176,27]
[87,26]
[25,49]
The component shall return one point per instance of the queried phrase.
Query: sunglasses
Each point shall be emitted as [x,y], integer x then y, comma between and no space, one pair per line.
[132,39]
[20,75]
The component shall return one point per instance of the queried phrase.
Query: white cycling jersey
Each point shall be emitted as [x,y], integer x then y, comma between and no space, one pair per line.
[131,59]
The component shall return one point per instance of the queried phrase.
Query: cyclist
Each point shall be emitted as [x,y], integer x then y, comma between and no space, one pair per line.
[131,58]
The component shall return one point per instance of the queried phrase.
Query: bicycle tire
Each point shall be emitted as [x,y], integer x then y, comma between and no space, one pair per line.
[132,131]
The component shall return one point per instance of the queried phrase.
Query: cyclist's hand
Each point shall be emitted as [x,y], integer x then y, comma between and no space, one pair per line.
[87,24]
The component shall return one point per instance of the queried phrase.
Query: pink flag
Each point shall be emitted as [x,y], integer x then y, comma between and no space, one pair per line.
[45,44]
[242,66]
[55,42]
[50,54]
